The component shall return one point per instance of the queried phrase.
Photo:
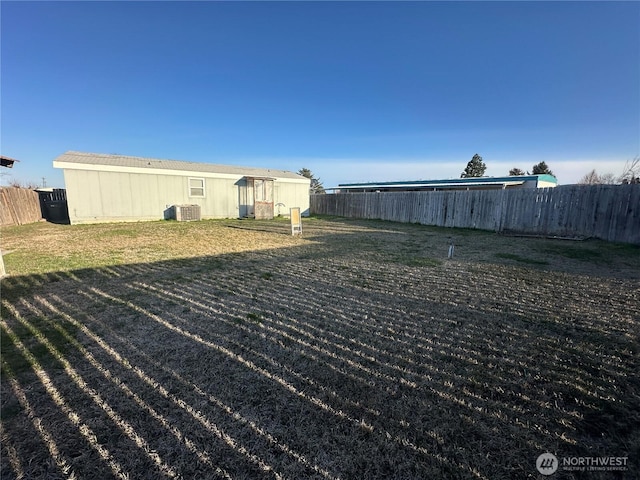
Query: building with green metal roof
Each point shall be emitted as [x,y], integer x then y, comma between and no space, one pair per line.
[473,183]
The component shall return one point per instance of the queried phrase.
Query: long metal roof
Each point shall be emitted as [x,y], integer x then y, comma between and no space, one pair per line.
[451,183]
[125,161]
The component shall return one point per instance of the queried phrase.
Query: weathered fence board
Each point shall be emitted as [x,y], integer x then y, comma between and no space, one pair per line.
[19,206]
[608,212]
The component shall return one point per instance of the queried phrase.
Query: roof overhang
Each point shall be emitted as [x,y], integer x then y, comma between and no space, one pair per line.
[72,160]
[149,170]
[7,162]
[428,185]
[251,177]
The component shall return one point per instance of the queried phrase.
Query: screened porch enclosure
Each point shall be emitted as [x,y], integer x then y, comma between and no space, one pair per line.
[256,198]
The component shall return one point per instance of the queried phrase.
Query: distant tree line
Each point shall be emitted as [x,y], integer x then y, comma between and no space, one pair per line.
[476,168]
[630,175]
[18,184]
[538,169]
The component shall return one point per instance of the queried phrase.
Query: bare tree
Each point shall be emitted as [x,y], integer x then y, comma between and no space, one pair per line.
[18,184]
[591,178]
[609,178]
[631,171]
[630,174]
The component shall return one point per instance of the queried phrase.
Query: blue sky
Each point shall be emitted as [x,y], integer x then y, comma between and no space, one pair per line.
[355,91]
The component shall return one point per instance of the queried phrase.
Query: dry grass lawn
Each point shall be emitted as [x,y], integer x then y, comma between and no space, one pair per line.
[229,349]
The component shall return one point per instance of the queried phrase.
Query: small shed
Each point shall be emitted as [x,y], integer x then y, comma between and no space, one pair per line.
[118,188]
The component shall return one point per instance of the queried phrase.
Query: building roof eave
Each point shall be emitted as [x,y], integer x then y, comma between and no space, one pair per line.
[7,162]
[374,186]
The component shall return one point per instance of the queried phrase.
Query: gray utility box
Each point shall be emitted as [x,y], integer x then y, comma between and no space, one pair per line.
[185,213]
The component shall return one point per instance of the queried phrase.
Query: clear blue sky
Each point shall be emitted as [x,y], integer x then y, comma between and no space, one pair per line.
[355,91]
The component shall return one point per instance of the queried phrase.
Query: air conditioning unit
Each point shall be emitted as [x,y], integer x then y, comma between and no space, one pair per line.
[186,213]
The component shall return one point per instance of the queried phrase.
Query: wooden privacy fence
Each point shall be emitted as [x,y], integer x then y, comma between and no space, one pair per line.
[19,206]
[608,212]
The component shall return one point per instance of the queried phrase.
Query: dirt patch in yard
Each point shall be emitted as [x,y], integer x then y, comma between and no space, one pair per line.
[230,349]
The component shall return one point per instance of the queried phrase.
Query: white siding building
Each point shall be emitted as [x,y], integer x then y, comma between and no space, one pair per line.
[117,188]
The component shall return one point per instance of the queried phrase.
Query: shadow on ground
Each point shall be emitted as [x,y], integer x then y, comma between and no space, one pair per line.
[346,358]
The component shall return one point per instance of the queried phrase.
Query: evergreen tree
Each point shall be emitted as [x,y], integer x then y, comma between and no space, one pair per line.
[516,171]
[316,184]
[475,168]
[541,169]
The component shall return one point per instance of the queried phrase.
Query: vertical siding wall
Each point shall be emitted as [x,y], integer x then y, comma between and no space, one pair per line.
[608,212]
[101,196]
[19,206]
